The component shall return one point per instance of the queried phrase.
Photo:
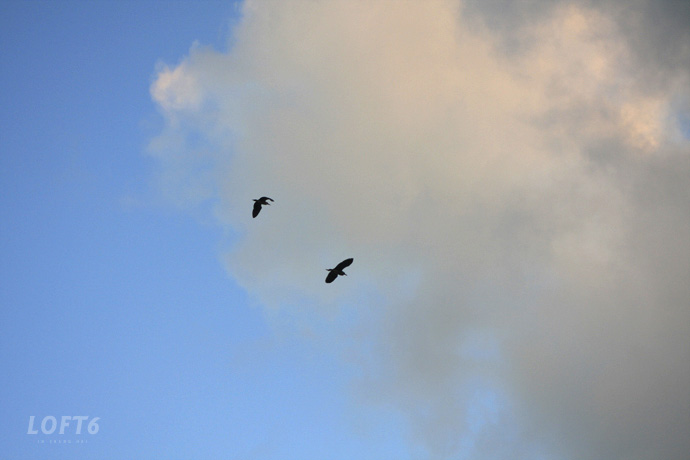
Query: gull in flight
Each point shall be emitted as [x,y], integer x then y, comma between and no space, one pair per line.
[338,270]
[264,200]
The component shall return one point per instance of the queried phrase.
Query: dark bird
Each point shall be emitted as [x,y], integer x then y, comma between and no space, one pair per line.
[264,200]
[338,270]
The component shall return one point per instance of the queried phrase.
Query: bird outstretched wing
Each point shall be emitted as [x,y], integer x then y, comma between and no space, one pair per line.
[257,208]
[344,264]
[331,276]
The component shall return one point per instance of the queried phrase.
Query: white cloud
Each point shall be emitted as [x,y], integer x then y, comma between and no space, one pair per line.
[531,198]
[176,89]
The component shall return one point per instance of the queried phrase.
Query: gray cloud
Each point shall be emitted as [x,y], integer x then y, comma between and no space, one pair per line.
[518,214]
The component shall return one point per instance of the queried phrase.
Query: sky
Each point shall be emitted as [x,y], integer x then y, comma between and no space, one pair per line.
[512,180]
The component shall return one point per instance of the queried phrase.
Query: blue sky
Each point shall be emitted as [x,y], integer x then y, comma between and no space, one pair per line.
[517,220]
[114,303]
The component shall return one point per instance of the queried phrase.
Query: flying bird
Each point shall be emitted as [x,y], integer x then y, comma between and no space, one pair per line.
[264,200]
[338,270]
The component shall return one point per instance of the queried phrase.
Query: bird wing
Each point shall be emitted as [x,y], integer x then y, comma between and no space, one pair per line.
[266,198]
[344,264]
[257,208]
[331,276]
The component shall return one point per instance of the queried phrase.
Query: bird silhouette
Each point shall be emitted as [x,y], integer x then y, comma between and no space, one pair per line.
[338,270]
[264,200]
